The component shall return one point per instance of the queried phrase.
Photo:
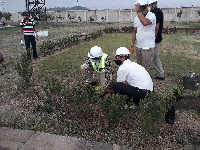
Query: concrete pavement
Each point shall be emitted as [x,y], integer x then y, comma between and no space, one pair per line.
[13,139]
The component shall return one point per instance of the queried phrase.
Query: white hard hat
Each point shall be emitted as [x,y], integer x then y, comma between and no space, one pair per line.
[152,1]
[95,51]
[143,2]
[122,51]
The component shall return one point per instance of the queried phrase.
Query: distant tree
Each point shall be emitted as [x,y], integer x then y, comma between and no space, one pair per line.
[1,14]
[79,18]
[91,19]
[70,17]
[199,12]
[49,16]
[7,16]
[60,17]
[179,14]
[103,18]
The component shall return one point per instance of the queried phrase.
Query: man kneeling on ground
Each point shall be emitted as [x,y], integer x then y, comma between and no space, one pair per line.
[132,79]
[100,63]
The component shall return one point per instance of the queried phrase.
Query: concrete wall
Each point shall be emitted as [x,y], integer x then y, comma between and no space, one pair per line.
[170,15]
[16,17]
[113,16]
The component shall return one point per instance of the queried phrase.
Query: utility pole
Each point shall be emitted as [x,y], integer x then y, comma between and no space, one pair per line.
[77,3]
[26,3]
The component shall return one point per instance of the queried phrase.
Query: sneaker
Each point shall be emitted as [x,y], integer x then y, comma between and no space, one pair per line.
[36,58]
[159,78]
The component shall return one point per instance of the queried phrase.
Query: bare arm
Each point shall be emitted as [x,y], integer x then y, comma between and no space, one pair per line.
[145,21]
[36,33]
[134,36]
[157,28]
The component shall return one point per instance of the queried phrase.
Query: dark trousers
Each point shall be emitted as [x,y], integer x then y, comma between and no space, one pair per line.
[30,39]
[132,92]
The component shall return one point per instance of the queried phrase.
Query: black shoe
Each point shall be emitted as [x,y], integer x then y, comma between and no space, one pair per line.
[159,78]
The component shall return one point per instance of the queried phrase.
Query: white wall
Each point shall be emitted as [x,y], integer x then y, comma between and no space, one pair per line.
[170,15]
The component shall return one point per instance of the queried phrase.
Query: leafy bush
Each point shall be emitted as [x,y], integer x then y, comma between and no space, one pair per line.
[174,94]
[111,30]
[174,30]
[50,47]
[154,108]
[53,87]
[5,15]
[24,69]
[97,34]
[128,29]
[114,107]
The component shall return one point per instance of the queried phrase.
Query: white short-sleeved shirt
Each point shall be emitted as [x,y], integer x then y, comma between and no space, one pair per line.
[145,35]
[135,75]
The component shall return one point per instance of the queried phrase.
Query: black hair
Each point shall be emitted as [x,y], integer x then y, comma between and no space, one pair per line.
[144,6]
[26,13]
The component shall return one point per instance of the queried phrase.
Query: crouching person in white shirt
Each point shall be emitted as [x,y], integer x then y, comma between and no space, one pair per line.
[132,79]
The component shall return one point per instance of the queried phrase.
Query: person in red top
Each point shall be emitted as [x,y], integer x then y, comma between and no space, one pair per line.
[28,28]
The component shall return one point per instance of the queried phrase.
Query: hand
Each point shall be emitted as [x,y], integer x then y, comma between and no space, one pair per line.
[107,95]
[87,85]
[137,6]
[131,50]
[36,37]
[108,90]
[132,45]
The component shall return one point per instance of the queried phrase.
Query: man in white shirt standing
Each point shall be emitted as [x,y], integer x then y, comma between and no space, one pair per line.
[144,33]
[132,79]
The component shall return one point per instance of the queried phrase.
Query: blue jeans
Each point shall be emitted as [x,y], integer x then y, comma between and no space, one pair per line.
[30,39]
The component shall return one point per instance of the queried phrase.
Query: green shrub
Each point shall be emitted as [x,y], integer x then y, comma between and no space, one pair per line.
[53,87]
[128,29]
[114,107]
[174,30]
[80,94]
[50,47]
[24,69]
[111,30]
[174,93]
[154,108]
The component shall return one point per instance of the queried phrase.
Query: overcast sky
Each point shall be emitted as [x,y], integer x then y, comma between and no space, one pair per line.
[19,5]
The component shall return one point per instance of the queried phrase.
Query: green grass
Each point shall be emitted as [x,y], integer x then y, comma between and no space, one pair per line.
[175,54]
[67,64]
[8,31]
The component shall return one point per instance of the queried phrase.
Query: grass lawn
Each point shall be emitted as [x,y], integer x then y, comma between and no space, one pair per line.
[179,54]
